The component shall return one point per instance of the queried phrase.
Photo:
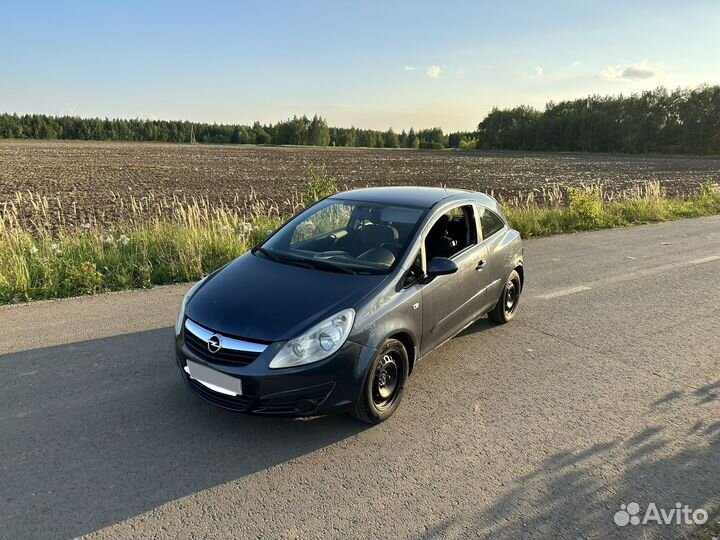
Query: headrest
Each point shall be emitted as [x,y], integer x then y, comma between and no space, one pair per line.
[440,227]
[378,234]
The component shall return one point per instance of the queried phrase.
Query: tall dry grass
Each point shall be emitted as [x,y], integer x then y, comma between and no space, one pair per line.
[592,207]
[178,239]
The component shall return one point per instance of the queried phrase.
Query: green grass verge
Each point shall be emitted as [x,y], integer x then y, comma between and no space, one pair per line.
[36,267]
[587,210]
[196,240]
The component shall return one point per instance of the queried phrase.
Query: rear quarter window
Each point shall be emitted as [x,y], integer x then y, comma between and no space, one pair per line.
[490,222]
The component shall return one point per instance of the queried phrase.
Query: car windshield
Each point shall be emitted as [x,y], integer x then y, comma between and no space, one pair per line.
[345,236]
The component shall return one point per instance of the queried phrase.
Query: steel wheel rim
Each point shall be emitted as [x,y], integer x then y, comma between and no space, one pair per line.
[386,380]
[512,293]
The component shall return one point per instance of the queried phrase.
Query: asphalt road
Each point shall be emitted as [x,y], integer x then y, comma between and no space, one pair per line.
[605,390]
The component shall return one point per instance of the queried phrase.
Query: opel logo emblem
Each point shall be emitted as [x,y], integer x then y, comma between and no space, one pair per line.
[214,344]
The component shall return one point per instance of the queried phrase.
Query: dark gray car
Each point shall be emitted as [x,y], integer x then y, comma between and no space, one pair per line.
[332,312]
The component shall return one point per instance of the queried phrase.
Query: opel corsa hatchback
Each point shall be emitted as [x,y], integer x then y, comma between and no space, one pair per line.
[335,308]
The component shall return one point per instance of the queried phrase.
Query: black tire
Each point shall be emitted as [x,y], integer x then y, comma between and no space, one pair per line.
[381,395]
[506,307]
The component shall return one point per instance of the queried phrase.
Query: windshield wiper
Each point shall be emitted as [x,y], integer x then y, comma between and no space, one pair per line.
[305,263]
[327,265]
[317,264]
[265,252]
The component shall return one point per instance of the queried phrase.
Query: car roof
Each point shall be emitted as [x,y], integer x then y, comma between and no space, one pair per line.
[422,197]
[419,197]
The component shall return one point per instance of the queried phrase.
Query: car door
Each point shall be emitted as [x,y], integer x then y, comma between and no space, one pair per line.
[492,228]
[451,302]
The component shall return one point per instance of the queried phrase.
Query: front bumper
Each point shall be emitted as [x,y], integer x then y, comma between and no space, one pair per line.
[331,385]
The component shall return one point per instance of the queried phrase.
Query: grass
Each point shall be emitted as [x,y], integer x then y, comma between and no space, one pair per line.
[710,532]
[588,208]
[186,243]
[178,240]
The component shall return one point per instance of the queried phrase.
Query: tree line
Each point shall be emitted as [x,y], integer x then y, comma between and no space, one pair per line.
[681,121]
[295,131]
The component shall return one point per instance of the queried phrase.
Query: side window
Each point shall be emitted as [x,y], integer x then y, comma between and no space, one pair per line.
[416,271]
[490,222]
[451,233]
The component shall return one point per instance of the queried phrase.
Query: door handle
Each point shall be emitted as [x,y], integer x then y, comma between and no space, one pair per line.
[480,265]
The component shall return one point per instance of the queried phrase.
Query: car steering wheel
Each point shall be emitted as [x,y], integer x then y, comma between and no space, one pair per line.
[395,247]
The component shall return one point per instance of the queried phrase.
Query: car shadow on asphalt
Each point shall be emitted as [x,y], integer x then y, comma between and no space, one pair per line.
[100,431]
[478,326]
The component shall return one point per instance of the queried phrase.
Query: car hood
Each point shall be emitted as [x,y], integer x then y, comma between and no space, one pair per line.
[259,299]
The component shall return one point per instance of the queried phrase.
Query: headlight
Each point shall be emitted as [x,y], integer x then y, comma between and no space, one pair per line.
[188,295]
[319,342]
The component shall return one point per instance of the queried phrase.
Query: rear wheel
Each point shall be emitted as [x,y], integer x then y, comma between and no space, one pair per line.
[504,311]
[384,384]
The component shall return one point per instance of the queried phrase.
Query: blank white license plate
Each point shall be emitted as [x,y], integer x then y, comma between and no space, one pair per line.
[213,379]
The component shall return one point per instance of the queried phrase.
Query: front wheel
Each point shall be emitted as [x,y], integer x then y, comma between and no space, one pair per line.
[504,311]
[384,384]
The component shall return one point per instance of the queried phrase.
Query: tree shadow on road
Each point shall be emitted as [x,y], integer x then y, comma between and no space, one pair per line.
[96,432]
[576,493]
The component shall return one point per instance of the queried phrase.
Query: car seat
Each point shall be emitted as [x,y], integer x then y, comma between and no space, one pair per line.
[457,230]
[437,242]
[368,237]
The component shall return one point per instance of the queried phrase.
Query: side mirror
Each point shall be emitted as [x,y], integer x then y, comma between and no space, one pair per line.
[441,266]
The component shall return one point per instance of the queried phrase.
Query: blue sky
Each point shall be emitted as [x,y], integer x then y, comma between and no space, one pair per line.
[371,64]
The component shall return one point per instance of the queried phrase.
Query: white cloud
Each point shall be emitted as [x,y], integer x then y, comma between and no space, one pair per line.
[434,71]
[639,72]
[69,112]
[537,73]
[409,68]
[147,116]
[460,72]
[576,63]
[633,72]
